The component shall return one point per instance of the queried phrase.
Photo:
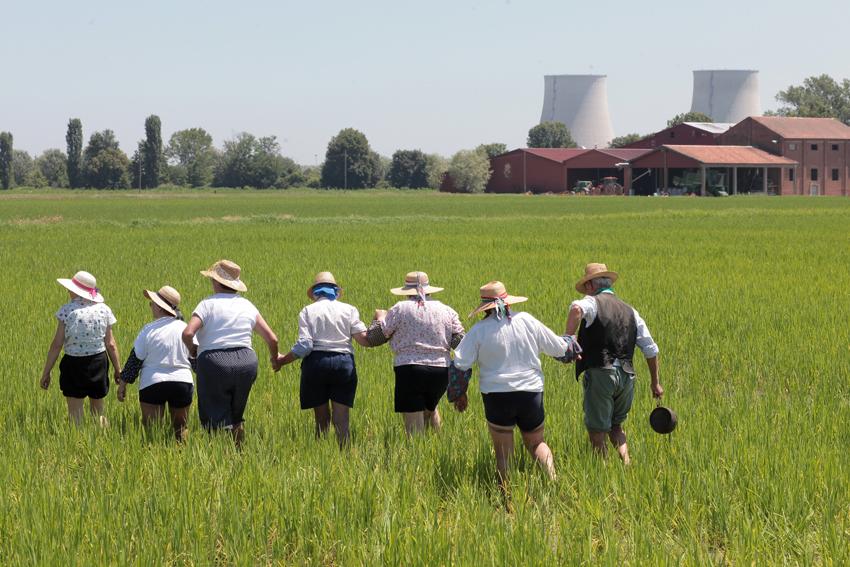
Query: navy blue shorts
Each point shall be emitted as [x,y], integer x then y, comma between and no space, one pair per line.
[523,409]
[418,387]
[176,394]
[328,376]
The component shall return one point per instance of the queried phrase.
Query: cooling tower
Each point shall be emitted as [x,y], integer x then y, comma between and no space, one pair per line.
[726,96]
[580,102]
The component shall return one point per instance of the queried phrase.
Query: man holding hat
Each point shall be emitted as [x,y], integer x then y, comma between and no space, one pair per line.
[608,332]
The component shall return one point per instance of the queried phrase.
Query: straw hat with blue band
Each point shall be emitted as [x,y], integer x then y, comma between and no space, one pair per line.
[494,295]
[416,283]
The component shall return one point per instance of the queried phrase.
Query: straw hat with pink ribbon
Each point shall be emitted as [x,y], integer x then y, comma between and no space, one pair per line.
[84,285]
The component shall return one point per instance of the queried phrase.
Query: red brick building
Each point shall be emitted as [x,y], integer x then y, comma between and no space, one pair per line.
[687,133]
[821,147]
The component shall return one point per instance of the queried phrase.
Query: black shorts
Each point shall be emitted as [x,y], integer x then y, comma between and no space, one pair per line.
[84,376]
[225,378]
[176,394]
[523,409]
[328,376]
[418,387]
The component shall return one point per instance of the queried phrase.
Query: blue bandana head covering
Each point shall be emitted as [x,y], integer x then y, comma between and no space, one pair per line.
[327,291]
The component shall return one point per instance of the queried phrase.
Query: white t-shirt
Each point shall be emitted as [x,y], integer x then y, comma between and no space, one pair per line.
[229,320]
[164,356]
[86,323]
[326,325]
[507,352]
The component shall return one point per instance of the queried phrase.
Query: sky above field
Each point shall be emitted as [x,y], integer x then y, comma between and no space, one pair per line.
[440,75]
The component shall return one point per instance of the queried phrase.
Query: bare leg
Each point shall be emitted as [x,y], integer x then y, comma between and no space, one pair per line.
[433,419]
[503,446]
[96,409]
[75,409]
[618,438]
[597,440]
[180,422]
[322,414]
[151,413]
[340,419]
[541,452]
[414,422]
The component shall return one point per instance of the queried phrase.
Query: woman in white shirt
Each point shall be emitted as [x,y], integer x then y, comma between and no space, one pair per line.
[506,347]
[227,364]
[84,332]
[162,360]
[328,373]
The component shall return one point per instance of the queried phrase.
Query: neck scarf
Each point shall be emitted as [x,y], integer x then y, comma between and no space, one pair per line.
[326,291]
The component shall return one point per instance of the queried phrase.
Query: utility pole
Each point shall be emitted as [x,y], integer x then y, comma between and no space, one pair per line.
[345,167]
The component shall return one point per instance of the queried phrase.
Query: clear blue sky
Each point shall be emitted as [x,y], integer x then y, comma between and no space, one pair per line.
[436,75]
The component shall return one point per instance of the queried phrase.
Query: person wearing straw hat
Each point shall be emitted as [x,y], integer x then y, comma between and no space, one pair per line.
[226,362]
[507,347]
[608,330]
[421,332]
[84,332]
[162,359]
[328,373]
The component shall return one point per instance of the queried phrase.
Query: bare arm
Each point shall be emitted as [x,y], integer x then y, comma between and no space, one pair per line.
[112,352]
[262,328]
[53,354]
[574,319]
[655,385]
[189,333]
[361,339]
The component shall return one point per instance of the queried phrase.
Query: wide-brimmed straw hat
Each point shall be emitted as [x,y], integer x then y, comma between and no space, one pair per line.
[413,281]
[227,274]
[492,291]
[167,297]
[83,284]
[592,271]
[326,278]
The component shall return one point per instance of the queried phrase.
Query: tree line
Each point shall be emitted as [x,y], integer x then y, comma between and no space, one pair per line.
[190,158]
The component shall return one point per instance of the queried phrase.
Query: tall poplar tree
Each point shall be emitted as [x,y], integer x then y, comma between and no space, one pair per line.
[7,176]
[74,141]
[152,155]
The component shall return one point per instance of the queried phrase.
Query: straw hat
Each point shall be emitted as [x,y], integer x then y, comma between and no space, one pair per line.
[322,278]
[83,284]
[492,291]
[167,297]
[412,282]
[226,273]
[593,270]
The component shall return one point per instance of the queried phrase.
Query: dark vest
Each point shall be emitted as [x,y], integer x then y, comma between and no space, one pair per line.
[612,334]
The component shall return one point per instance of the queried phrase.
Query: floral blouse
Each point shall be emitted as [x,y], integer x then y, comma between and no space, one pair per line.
[421,333]
[86,323]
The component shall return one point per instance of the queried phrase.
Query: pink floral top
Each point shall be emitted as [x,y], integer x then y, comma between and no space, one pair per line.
[421,333]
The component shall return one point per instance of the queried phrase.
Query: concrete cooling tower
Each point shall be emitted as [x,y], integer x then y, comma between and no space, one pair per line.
[726,96]
[580,102]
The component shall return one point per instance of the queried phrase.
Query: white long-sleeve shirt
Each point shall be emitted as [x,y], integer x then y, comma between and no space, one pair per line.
[507,352]
[644,341]
[328,326]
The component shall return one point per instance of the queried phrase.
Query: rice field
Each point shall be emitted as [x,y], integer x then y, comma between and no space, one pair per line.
[747,298]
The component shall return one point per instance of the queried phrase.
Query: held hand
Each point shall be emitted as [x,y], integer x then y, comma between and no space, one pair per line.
[117,376]
[657,390]
[122,391]
[380,314]
[461,403]
[45,381]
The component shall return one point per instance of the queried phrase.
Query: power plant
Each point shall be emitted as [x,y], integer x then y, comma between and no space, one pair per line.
[726,95]
[580,102]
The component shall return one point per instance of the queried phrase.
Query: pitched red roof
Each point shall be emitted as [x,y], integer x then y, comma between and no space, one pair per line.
[555,154]
[805,128]
[730,155]
[625,154]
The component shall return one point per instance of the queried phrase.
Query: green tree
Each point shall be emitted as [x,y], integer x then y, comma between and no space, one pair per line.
[818,96]
[688,117]
[550,135]
[35,179]
[53,165]
[248,161]
[408,168]
[22,166]
[192,151]
[492,150]
[136,169]
[152,152]
[622,141]
[74,146]
[435,170]
[349,162]
[108,169]
[7,174]
[469,171]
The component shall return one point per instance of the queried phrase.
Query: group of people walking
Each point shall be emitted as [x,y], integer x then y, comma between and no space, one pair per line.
[433,355]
